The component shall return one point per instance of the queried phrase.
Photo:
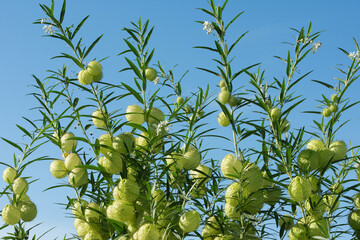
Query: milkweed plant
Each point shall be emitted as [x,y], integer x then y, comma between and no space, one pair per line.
[145,171]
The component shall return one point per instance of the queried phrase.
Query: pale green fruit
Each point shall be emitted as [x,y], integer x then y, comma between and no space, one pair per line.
[121,211]
[331,202]
[105,140]
[339,150]
[326,112]
[253,203]
[28,211]
[141,142]
[333,108]
[308,160]
[92,212]
[315,145]
[188,109]
[224,97]
[318,228]
[356,199]
[58,169]
[222,84]
[325,157]
[315,205]
[223,120]
[232,209]
[85,77]
[275,114]
[112,162]
[233,192]
[20,186]
[97,78]
[93,235]
[190,221]
[148,232]
[10,214]
[71,161]
[78,177]
[155,116]
[82,227]
[179,100]
[233,101]
[251,178]
[68,144]
[231,167]
[9,175]
[94,68]
[192,158]
[299,189]
[175,161]
[22,198]
[98,118]
[298,232]
[266,180]
[354,219]
[286,222]
[135,114]
[284,126]
[124,143]
[272,195]
[79,208]
[150,74]
[202,173]
[315,183]
[128,190]
[334,97]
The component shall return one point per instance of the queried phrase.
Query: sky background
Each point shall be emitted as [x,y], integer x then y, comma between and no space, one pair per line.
[25,52]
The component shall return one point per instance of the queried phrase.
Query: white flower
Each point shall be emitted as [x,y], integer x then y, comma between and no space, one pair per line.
[43,20]
[49,29]
[316,46]
[162,128]
[208,27]
[156,81]
[353,55]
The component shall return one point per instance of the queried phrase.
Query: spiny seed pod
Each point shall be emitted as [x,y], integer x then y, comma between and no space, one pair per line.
[325,157]
[275,114]
[308,160]
[155,116]
[121,211]
[94,68]
[299,189]
[286,222]
[251,178]
[326,112]
[28,211]
[339,150]
[192,158]
[232,209]
[71,161]
[135,114]
[93,235]
[150,74]
[20,186]
[190,221]
[333,108]
[176,161]
[98,118]
[148,232]
[10,214]
[124,143]
[105,142]
[9,175]
[315,145]
[315,183]
[233,101]
[58,169]
[231,167]
[112,162]
[223,120]
[79,208]
[67,143]
[354,219]
[198,192]
[85,77]
[128,190]
[179,100]
[201,173]
[92,212]
[224,97]
[253,203]
[78,177]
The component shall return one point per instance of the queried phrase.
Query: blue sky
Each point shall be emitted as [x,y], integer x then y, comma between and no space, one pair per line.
[25,52]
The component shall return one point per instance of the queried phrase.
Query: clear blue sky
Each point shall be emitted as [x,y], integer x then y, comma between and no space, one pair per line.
[25,52]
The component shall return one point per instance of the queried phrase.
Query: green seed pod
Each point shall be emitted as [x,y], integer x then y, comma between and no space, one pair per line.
[224,97]
[354,219]
[275,114]
[233,101]
[308,160]
[272,195]
[231,167]
[190,221]
[251,178]
[148,232]
[58,169]
[334,97]
[92,212]
[299,189]
[223,120]
[98,118]
[85,77]
[339,150]
[71,161]
[155,116]
[68,144]
[315,145]
[78,177]
[222,84]
[106,141]
[9,175]
[333,108]
[150,74]
[112,162]
[318,228]
[192,158]
[121,211]
[326,112]
[135,114]
[94,68]
[20,186]
[201,173]
[356,199]
[124,143]
[298,232]
[10,214]
[28,211]
[315,205]
[179,100]
[128,190]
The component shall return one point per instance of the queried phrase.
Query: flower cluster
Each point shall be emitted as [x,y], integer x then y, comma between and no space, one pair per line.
[208,27]
[162,128]
[48,28]
[316,46]
[354,55]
